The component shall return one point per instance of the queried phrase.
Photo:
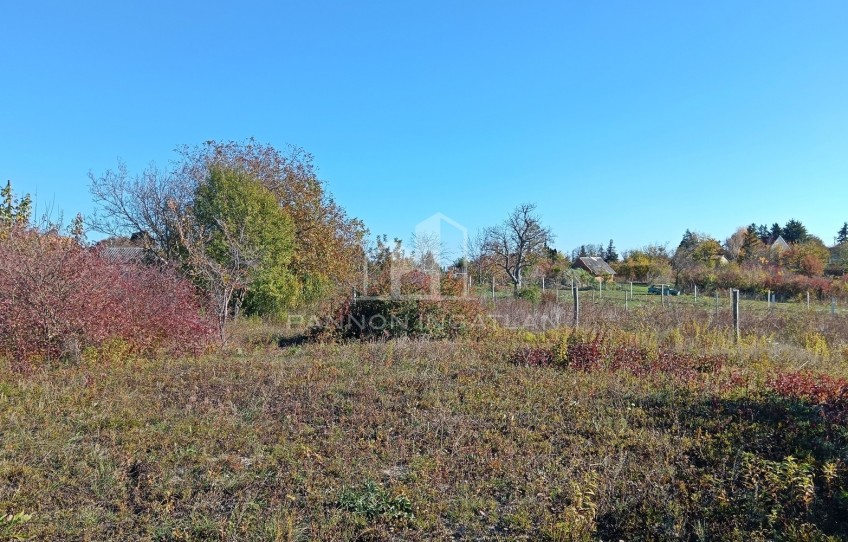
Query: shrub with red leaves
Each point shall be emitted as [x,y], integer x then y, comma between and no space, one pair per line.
[597,353]
[829,392]
[585,355]
[533,356]
[57,297]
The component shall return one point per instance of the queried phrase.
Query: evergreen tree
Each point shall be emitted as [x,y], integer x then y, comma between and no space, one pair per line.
[795,232]
[842,234]
[763,233]
[775,232]
[689,241]
[611,256]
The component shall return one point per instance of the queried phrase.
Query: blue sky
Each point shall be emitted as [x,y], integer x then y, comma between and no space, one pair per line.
[625,120]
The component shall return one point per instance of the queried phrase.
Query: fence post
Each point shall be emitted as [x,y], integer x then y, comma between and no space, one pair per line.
[716,300]
[808,300]
[768,298]
[543,284]
[576,294]
[734,293]
[696,293]
[631,289]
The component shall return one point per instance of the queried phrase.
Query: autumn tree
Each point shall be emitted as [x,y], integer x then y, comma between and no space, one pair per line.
[695,248]
[808,258]
[734,244]
[239,244]
[648,264]
[327,250]
[752,245]
[14,211]
[517,243]
[147,204]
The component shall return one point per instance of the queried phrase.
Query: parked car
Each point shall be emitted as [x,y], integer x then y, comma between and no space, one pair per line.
[658,289]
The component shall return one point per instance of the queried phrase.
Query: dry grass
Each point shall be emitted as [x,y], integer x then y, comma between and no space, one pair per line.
[411,440]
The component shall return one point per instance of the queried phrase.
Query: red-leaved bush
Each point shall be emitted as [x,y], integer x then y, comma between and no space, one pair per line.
[831,393]
[598,353]
[58,297]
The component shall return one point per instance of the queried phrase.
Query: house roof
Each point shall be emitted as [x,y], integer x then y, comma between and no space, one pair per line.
[780,243]
[123,254]
[595,265]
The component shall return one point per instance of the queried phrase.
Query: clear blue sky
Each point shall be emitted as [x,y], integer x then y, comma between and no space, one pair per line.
[624,120]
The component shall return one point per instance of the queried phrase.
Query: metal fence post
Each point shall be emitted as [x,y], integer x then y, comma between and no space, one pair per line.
[735,312]
[576,294]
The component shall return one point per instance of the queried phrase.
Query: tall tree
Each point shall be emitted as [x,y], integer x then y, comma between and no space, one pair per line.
[733,244]
[842,234]
[328,245]
[795,232]
[751,245]
[149,202]
[775,232]
[689,240]
[328,252]
[239,243]
[515,244]
[611,256]
[14,211]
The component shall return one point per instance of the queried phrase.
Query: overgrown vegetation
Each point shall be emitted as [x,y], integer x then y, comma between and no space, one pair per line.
[617,435]
[60,299]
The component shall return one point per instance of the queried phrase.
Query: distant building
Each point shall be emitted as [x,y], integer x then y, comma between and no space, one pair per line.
[719,259]
[124,255]
[594,265]
[779,244]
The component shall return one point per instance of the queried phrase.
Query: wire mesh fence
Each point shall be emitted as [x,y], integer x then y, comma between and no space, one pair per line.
[633,306]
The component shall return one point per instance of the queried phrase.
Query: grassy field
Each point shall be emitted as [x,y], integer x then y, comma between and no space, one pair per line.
[625,437]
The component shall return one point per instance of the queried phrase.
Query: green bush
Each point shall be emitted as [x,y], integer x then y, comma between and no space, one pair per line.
[390,318]
[530,293]
[371,501]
